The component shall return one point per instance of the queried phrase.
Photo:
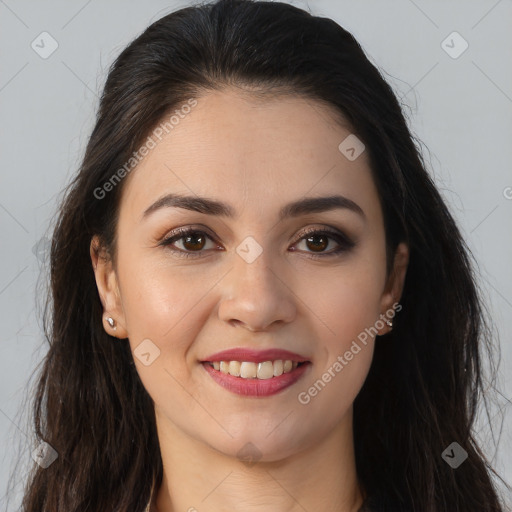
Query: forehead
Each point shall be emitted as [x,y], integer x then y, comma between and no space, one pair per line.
[247,148]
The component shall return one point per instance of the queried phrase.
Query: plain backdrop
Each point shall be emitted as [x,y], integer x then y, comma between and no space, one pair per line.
[460,106]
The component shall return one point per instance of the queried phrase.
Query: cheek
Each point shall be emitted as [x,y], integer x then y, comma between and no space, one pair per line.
[164,307]
[348,308]
[345,300]
[152,303]
[164,303]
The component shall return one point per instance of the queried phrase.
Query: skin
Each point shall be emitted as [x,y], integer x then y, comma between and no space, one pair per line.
[257,155]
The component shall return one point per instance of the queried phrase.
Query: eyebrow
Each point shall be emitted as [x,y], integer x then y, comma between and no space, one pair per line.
[294,209]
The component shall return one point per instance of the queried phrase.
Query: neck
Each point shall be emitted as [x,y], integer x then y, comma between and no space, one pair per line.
[198,478]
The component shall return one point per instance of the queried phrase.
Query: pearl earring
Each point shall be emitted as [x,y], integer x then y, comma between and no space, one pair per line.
[390,323]
[111,322]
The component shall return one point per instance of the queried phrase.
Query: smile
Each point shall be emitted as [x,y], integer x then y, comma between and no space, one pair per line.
[250,370]
[256,379]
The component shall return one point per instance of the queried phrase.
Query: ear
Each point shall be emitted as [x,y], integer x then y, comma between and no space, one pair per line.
[108,289]
[395,284]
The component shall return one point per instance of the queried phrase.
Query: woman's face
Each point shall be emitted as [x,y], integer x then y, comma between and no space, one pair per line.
[256,278]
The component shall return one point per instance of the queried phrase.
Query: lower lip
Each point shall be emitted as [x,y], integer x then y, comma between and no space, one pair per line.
[256,387]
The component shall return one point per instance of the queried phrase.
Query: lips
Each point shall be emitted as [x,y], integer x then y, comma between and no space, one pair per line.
[255,356]
[255,373]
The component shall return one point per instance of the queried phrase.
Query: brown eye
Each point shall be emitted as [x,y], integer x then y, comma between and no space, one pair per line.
[194,242]
[317,243]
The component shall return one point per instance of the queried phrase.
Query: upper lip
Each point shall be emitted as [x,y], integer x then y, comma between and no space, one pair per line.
[255,356]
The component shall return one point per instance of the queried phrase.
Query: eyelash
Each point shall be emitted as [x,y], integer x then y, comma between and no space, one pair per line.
[345,243]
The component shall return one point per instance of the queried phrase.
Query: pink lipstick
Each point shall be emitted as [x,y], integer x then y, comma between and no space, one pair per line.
[256,373]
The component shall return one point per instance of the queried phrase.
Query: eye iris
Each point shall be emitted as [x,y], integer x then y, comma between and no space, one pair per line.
[321,245]
[195,236]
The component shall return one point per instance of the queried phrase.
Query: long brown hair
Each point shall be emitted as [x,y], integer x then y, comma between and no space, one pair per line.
[423,387]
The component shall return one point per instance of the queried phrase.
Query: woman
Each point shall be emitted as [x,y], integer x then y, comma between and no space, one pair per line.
[259,299]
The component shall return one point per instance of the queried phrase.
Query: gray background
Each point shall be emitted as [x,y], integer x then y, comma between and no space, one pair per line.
[459,107]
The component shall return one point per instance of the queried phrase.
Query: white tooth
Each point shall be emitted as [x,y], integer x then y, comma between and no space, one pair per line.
[278,368]
[248,370]
[234,368]
[265,370]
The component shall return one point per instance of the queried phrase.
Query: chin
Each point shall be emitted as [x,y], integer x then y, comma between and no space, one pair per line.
[261,447]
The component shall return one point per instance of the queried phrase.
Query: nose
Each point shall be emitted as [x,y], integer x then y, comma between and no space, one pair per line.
[256,297]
